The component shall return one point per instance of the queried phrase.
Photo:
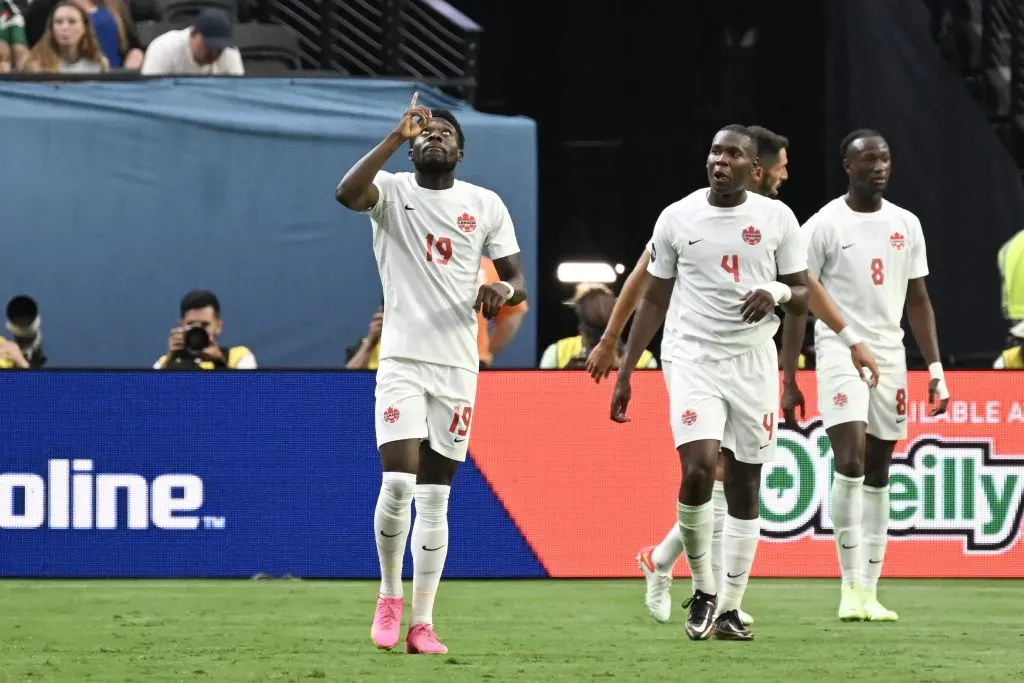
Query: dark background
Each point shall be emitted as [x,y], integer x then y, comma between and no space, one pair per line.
[628,95]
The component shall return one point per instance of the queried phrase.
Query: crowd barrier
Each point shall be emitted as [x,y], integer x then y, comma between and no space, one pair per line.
[147,474]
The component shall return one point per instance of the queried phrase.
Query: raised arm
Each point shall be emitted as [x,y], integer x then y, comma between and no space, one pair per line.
[356,190]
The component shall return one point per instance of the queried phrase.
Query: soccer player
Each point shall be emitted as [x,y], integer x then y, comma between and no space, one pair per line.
[429,234]
[870,255]
[656,562]
[721,260]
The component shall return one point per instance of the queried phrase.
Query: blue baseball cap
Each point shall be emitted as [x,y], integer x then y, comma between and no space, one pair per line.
[215,28]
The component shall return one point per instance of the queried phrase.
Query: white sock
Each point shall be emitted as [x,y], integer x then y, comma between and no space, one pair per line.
[718,501]
[740,546]
[696,524]
[876,527]
[847,507]
[429,548]
[391,528]
[668,551]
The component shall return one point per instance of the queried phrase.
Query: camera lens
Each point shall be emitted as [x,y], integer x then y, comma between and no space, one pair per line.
[196,339]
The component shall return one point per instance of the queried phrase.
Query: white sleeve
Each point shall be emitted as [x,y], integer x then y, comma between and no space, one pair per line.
[652,364]
[918,251]
[791,256]
[231,63]
[385,183]
[549,361]
[664,255]
[1000,364]
[246,362]
[157,60]
[817,253]
[501,236]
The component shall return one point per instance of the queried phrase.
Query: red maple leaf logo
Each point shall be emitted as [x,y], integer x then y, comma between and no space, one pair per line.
[466,223]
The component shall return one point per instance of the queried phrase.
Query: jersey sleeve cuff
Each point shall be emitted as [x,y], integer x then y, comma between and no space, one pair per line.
[795,268]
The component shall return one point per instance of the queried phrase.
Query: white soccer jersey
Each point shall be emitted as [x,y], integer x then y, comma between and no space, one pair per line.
[717,255]
[865,261]
[428,245]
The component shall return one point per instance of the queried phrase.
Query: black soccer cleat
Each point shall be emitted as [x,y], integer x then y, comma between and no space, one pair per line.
[701,620]
[729,627]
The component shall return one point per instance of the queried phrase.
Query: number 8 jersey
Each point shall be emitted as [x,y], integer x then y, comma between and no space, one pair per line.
[428,245]
[864,261]
[717,255]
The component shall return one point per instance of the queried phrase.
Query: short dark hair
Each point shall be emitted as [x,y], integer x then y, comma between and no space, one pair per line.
[769,143]
[742,130]
[446,115]
[858,134]
[199,298]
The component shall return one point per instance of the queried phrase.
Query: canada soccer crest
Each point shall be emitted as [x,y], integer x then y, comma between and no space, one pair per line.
[839,400]
[751,235]
[466,223]
[391,415]
[897,241]
[689,418]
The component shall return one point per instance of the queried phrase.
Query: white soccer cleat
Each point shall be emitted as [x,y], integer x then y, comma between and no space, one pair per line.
[659,601]
[745,618]
[874,610]
[851,604]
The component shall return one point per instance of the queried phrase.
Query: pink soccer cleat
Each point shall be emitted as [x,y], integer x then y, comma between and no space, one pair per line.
[423,641]
[387,622]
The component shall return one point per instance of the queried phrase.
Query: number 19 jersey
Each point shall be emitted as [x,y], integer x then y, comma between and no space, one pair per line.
[716,255]
[428,245]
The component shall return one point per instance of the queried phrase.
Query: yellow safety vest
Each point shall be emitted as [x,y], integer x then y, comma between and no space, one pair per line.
[235,356]
[1013,359]
[572,347]
[1011,267]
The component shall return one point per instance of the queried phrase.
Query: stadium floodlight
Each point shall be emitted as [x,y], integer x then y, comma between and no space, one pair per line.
[577,271]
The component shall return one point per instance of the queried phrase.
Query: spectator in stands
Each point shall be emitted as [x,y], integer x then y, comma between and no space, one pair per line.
[366,354]
[13,44]
[593,304]
[193,343]
[1013,357]
[1011,270]
[11,356]
[203,48]
[111,21]
[68,44]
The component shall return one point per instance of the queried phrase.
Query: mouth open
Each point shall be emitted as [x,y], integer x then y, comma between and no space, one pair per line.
[720,176]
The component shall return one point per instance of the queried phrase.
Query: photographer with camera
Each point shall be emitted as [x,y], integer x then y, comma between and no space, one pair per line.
[26,349]
[193,343]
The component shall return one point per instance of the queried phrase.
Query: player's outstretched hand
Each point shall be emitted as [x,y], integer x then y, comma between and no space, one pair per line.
[863,360]
[792,398]
[757,303]
[414,120]
[620,400]
[490,299]
[601,359]
[937,391]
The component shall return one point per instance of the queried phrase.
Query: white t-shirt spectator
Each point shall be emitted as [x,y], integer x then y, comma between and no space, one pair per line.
[170,55]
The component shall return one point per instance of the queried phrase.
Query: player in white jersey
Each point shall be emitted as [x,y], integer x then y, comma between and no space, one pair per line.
[656,562]
[870,255]
[721,259]
[429,234]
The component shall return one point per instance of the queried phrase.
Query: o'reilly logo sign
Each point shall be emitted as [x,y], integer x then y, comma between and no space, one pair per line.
[953,488]
[72,495]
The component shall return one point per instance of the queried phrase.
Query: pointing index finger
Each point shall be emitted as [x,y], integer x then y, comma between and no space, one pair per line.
[415,96]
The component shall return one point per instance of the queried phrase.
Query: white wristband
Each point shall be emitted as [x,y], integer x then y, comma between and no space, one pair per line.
[935,370]
[849,337]
[780,292]
[511,289]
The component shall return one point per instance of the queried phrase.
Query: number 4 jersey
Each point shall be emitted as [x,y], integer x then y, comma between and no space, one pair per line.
[864,261]
[428,245]
[716,256]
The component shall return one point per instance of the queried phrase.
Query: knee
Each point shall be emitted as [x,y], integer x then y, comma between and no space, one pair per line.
[397,487]
[699,475]
[849,456]
[432,503]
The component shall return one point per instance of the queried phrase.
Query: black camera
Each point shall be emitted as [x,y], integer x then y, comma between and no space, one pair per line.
[196,339]
[23,324]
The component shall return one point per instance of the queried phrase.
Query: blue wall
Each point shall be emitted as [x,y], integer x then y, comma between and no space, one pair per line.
[120,197]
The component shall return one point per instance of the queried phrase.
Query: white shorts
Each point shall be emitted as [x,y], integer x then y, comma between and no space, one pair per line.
[425,401]
[728,439]
[734,401]
[844,397]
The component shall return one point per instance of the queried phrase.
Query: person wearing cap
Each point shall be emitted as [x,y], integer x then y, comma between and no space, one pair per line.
[593,304]
[204,48]
[1013,357]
